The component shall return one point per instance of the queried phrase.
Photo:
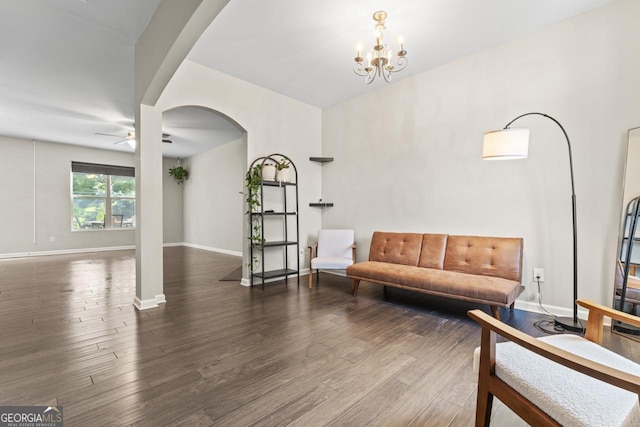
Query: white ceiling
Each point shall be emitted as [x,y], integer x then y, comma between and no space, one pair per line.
[66,66]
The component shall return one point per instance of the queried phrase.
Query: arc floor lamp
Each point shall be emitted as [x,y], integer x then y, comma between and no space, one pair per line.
[509,144]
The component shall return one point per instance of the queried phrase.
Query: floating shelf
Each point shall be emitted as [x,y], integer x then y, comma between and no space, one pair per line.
[321,159]
[321,205]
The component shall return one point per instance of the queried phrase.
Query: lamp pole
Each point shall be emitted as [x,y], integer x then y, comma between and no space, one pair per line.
[568,323]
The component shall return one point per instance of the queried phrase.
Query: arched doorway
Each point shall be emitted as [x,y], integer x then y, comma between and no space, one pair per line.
[206,211]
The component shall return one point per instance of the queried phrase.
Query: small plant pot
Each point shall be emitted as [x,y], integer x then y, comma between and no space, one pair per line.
[268,172]
[283,175]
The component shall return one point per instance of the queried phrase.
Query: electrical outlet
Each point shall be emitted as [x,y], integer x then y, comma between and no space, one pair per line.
[538,275]
[52,239]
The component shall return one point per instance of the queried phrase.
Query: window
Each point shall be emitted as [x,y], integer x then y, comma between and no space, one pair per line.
[103,196]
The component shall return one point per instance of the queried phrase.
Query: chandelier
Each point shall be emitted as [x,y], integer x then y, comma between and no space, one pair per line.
[380,57]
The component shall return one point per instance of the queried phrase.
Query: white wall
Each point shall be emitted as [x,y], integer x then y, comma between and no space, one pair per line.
[408,156]
[25,230]
[172,205]
[274,124]
[52,169]
[213,200]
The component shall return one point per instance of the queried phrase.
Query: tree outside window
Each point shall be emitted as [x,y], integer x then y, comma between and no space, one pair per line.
[92,193]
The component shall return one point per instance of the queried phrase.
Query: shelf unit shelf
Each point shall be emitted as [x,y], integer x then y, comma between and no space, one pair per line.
[321,205]
[275,273]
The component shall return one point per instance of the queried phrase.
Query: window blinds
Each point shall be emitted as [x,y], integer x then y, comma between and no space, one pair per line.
[102,169]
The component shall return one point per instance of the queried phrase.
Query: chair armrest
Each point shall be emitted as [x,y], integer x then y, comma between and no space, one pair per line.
[595,321]
[577,363]
[313,246]
[353,251]
[603,310]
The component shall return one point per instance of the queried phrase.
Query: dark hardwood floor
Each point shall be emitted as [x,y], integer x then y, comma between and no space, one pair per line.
[218,353]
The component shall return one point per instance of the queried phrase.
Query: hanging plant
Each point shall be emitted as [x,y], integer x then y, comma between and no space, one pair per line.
[179,174]
[253,180]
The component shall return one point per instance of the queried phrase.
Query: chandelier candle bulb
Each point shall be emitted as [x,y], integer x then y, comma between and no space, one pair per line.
[401,40]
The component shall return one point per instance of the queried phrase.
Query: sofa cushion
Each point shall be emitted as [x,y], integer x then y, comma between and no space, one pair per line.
[487,289]
[395,248]
[433,249]
[487,256]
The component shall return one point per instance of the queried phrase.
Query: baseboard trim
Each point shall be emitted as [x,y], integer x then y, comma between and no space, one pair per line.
[65,252]
[257,282]
[144,304]
[111,248]
[211,249]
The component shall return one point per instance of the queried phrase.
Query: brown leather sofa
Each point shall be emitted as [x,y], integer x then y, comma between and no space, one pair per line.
[486,270]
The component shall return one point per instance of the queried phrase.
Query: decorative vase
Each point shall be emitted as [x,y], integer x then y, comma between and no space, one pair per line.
[283,175]
[268,172]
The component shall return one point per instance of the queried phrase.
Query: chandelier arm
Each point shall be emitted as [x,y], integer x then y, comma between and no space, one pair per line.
[359,70]
[371,77]
[400,64]
[386,73]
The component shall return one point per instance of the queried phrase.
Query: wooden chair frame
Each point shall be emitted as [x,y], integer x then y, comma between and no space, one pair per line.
[489,385]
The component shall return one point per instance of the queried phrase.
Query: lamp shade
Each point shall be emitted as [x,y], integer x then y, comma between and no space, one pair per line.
[506,144]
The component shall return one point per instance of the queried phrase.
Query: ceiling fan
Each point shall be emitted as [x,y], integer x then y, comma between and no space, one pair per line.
[131,137]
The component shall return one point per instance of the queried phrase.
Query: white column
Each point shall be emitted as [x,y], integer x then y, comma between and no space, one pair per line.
[149,276]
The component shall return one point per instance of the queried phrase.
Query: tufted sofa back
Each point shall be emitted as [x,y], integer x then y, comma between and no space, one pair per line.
[487,256]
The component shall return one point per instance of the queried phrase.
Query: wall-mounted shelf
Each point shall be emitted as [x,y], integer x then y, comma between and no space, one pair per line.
[321,205]
[321,159]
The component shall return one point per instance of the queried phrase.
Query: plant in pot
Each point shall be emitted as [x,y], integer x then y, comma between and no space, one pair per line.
[283,174]
[268,171]
[179,174]
[253,180]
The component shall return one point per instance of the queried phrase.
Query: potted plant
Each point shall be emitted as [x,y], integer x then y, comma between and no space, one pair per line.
[268,171]
[283,174]
[179,174]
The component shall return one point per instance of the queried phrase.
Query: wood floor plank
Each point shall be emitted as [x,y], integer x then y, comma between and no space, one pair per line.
[217,353]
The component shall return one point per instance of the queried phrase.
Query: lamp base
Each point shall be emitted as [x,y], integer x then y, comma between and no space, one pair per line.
[569,324]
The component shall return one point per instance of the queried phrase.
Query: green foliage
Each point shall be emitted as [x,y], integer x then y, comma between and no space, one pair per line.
[85,184]
[253,180]
[179,174]
[90,195]
[123,186]
[284,164]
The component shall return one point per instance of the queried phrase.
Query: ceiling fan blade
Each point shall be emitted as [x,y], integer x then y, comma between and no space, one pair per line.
[120,142]
[108,134]
[167,141]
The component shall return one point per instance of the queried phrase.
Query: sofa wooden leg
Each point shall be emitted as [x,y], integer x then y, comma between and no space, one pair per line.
[318,275]
[495,312]
[310,278]
[354,286]
[512,306]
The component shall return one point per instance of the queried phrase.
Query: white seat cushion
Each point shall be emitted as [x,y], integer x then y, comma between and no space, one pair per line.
[569,397]
[331,263]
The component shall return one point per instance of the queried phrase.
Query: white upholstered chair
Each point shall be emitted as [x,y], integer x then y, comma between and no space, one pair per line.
[334,250]
[560,379]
